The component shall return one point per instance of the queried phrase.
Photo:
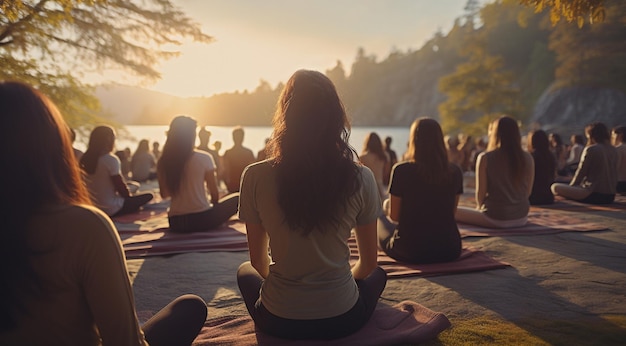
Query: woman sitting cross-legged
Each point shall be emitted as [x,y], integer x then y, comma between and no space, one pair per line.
[595,180]
[545,168]
[424,194]
[302,203]
[185,174]
[64,275]
[104,176]
[504,180]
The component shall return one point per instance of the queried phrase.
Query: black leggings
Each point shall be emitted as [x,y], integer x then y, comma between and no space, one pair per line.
[133,203]
[598,198]
[208,219]
[178,323]
[370,288]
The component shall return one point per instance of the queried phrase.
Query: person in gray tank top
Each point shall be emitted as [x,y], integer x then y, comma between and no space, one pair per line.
[504,180]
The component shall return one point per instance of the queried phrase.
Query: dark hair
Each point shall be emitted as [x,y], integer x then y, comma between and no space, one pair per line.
[238,135]
[204,136]
[620,131]
[142,147]
[101,141]
[310,151]
[539,145]
[374,145]
[598,132]
[39,169]
[178,148]
[578,139]
[505,136]
[428,150]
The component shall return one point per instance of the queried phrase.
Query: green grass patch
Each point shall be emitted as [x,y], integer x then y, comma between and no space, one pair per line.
[595,330]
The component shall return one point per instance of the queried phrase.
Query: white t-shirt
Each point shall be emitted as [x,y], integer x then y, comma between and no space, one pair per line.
[101,186]
[192,194]
[142,164]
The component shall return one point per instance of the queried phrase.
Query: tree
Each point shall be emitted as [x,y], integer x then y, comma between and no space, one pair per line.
[593,55]
[478,91]
[51,44]
[570,10]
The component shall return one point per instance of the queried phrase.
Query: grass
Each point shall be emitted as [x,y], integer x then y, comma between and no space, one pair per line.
[595,330]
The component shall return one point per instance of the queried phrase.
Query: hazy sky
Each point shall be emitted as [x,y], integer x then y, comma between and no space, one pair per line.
[273,38]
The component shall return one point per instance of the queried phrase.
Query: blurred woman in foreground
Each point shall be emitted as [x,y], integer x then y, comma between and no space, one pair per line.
[302,203]
[64,276]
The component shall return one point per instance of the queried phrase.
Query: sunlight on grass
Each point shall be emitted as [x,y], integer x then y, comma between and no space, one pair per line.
[603,330]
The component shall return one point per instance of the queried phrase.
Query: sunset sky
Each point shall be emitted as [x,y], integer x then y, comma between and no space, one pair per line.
[271,39]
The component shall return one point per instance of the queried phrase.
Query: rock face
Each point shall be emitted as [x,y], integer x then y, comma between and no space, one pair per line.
[568,110]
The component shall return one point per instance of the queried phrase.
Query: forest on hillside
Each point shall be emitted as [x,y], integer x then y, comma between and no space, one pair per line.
[498,58]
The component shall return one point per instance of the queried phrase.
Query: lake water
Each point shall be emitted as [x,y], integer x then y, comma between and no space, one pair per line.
[254,136]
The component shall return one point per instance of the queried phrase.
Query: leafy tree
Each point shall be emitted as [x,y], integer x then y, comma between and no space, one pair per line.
[478,91]
[51,44]
[570,10]
[593,55]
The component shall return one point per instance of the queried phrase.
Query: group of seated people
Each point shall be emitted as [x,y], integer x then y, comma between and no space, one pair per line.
[63,265]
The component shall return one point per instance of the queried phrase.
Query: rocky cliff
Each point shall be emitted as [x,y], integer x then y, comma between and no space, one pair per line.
[568,110]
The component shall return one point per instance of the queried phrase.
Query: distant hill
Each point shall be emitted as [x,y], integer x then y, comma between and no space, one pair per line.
[129,105]
[136,106]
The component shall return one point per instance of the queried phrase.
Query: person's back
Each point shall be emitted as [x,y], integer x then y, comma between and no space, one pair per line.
[65,280]
[504,180]
[378,166]
[236,159]
[72,242]
[506,198]
[427,231]
[142,166]
[618,135]
[314,263]
[598,169]
[305,286]
[621,166]
[545,170]
[101,187]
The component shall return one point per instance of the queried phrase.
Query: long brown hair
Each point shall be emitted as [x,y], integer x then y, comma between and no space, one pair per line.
[178,148]
[39,168]
[504,135]
[101,141]
[374,145]
[310,150]
[428,150]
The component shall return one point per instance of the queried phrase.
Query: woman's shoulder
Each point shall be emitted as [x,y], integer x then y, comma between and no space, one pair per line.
[109,158]
[88,214]
[259,168]
[79,219]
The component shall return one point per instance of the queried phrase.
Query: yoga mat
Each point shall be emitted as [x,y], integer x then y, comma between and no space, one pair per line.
[467,199]
[229,237]
[404,323]
[470,260]
[539,222]
[561,203]
[152,238]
